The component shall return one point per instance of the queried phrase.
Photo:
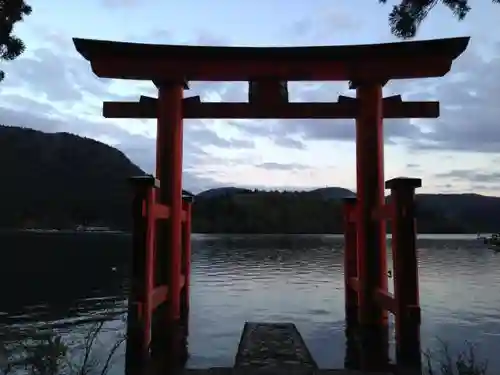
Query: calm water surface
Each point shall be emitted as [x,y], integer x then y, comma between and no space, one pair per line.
[63,280]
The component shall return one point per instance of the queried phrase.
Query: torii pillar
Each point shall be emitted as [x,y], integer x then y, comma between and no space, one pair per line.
[169,138]
[371,230]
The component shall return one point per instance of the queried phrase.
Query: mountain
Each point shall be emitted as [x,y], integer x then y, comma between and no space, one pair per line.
[334,193]
[471,212]
[308,212]
[325,193]
[219,192]
[61,180]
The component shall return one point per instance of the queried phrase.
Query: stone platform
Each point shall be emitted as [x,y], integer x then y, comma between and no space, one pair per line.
[272,349]
[272,346]
[275,371]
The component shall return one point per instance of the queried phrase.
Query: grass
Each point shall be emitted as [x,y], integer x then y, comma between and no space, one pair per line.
[45,352]
[442,362]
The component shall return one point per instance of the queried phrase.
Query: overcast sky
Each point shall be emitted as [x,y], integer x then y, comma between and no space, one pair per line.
[51,88]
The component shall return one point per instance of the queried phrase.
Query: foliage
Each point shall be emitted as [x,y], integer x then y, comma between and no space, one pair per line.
[406,17]
[443,362]
[11,12]
[45,352]
[313,213]
[267,212]
[62,180]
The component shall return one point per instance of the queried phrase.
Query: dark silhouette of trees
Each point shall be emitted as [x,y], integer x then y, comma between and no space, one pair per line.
[61,180]
[406,17]
[11,12]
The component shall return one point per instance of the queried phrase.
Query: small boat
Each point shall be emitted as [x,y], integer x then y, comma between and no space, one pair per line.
[493,241]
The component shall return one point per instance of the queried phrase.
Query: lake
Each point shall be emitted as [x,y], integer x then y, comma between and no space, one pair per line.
[65,280]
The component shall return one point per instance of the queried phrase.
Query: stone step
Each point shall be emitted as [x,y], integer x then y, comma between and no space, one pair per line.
[273,345]
[273,371]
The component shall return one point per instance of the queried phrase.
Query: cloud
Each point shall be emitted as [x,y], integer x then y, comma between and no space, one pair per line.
[469,110]
[51,88]
[293,133]
[471,175]
[55,76]
[140,149]
[487,182]
[469,107]
[311,28]
[120,3]
[203,135]
[282,166]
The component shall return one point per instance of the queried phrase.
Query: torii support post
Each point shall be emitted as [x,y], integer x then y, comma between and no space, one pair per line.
[350,263]
[147,299]
[406,288]
[351,285]
[371,233]
[186,261]
[169,171]
[141,276]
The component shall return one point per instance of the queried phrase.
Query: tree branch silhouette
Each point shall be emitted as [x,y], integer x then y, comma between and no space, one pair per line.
[406,17]
[11,12]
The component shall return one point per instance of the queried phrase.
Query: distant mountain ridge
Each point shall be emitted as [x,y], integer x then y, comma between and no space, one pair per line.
[326,192]
[60,180]
[221,191]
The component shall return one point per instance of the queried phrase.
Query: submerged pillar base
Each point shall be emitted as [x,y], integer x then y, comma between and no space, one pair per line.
[373,346]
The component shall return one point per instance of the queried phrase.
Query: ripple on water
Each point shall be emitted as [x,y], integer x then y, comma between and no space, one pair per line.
[287,278]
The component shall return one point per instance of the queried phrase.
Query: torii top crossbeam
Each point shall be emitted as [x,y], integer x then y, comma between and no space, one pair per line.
[415,59]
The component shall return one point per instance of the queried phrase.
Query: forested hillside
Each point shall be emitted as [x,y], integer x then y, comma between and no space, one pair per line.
[62,180]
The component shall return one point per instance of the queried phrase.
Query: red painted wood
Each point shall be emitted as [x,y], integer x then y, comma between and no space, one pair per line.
[406,288]
[372,264]
[149,263]
[158,296]
[169,164]
[386,300]
[168,69]
[159,211]
[183,281]
[186,260]
[350,259]
[137,318]
[354,283]
[333,110]
[385,212]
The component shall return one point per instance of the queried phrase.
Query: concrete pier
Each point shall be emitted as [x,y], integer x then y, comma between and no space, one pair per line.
[272,349]
[272,346]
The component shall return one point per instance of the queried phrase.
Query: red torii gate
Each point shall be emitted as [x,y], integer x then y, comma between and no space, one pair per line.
[367,67]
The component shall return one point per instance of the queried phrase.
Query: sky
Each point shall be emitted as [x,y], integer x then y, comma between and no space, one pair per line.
[52,89]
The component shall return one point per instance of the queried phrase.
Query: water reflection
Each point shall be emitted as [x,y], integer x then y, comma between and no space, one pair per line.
[247,278]
[60,276]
